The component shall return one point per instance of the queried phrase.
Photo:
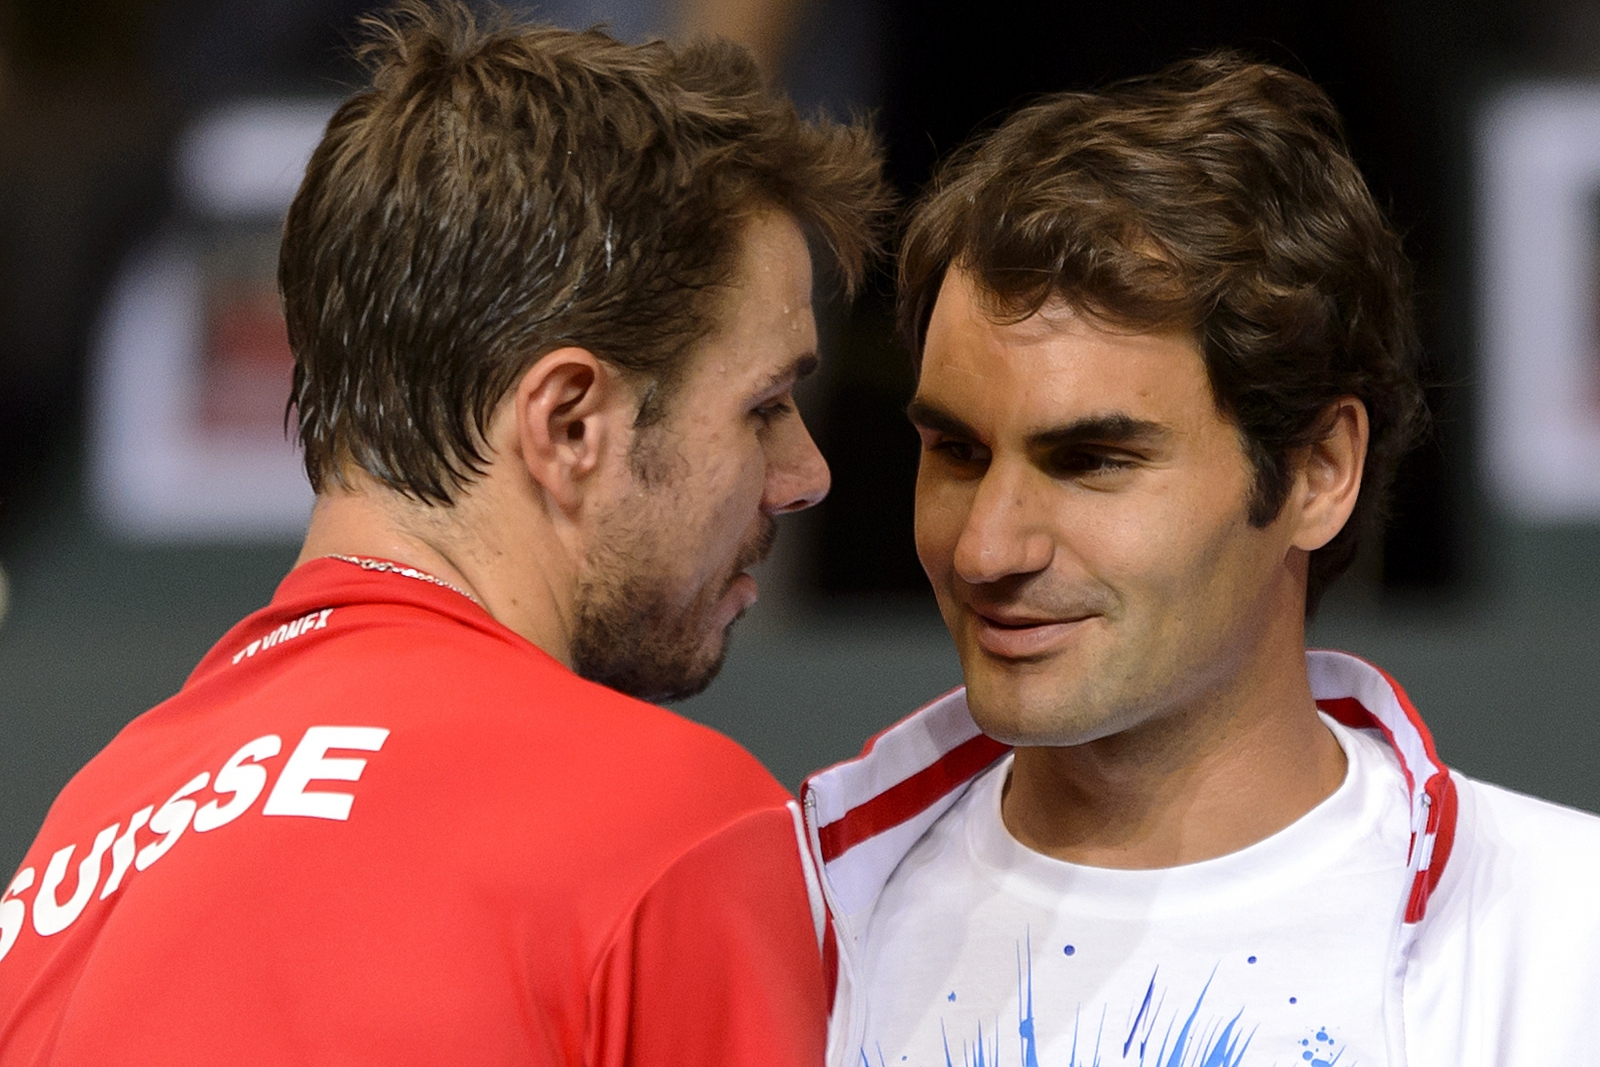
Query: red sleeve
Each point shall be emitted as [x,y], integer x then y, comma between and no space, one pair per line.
[718,963]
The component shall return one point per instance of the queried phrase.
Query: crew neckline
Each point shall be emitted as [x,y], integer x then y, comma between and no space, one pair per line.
[1310,848]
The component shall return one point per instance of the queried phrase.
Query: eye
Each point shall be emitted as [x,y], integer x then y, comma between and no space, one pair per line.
[957,451]
[773,410]
[1082,462]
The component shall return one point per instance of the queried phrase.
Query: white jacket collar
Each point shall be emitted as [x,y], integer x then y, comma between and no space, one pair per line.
[866,813]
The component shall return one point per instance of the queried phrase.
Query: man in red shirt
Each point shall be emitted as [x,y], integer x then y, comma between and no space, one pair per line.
[549,296]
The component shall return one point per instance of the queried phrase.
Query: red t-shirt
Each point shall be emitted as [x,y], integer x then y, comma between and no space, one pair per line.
[377,827]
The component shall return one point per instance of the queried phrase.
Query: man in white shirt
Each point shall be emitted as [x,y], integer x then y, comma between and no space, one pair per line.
[1166,368]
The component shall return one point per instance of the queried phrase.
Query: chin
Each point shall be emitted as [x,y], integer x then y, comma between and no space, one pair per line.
[1034,716]
[1021,733]
[694,678]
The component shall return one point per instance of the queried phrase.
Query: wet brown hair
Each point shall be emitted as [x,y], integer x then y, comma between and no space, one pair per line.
[503,191]
[1216,196]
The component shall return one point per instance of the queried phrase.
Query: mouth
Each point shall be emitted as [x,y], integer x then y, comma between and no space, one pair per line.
[758,548]
[1018,636]
[742,591]
[738,597]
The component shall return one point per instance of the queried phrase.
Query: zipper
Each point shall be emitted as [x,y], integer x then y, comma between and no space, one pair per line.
[843,1017]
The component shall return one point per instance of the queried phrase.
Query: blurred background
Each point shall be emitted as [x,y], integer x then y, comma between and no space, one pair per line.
[148,498]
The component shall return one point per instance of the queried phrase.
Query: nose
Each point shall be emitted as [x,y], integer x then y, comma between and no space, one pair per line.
[797,475]
[1000,538]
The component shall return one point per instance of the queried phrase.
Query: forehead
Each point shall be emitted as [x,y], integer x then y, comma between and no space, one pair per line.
[1054,366]
[763,317]
[772,275]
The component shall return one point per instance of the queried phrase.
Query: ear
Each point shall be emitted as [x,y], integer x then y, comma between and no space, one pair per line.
[1329,477]
[569,408]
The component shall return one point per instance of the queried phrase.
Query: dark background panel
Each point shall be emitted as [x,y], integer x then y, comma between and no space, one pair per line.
[1493,626]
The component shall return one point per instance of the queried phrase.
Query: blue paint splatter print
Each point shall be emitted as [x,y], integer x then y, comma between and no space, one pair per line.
[1201,1040]
[1314,1054]
[1191,1033]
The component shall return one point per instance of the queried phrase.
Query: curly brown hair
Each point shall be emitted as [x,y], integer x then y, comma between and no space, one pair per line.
[1217,196]
[500,192]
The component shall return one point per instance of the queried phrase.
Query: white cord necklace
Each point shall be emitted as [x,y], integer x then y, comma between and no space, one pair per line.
[405,572]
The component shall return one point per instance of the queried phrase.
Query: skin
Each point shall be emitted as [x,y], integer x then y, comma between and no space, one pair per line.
[578,508]
[1081,513]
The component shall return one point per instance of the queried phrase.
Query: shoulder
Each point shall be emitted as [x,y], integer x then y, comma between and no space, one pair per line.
[478,727]
[547,742]
[490,697]
[1508,954]
[1538,832]
[660,750]
[1526,862]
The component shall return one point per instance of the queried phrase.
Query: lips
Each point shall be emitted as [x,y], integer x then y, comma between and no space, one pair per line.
[1008,635]
[738,597]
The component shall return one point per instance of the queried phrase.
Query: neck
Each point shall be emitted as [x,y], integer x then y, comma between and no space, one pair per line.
[1190,786]
[523,588]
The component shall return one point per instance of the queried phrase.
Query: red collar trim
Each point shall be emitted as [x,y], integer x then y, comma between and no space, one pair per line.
[923,762]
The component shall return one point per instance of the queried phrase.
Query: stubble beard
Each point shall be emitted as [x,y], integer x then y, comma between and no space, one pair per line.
[633,634]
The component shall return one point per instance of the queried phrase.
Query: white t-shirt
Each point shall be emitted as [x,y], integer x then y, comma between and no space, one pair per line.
[981,951]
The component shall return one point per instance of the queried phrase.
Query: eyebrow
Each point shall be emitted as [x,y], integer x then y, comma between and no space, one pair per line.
[926,416]
[797,370]
[1107,428]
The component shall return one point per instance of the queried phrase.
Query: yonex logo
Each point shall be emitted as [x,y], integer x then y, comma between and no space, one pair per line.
[317,620]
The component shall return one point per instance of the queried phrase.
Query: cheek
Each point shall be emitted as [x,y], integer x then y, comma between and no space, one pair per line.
[1158,551]
[728,495]
[1099,536]
[1200,566]
[940,514]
